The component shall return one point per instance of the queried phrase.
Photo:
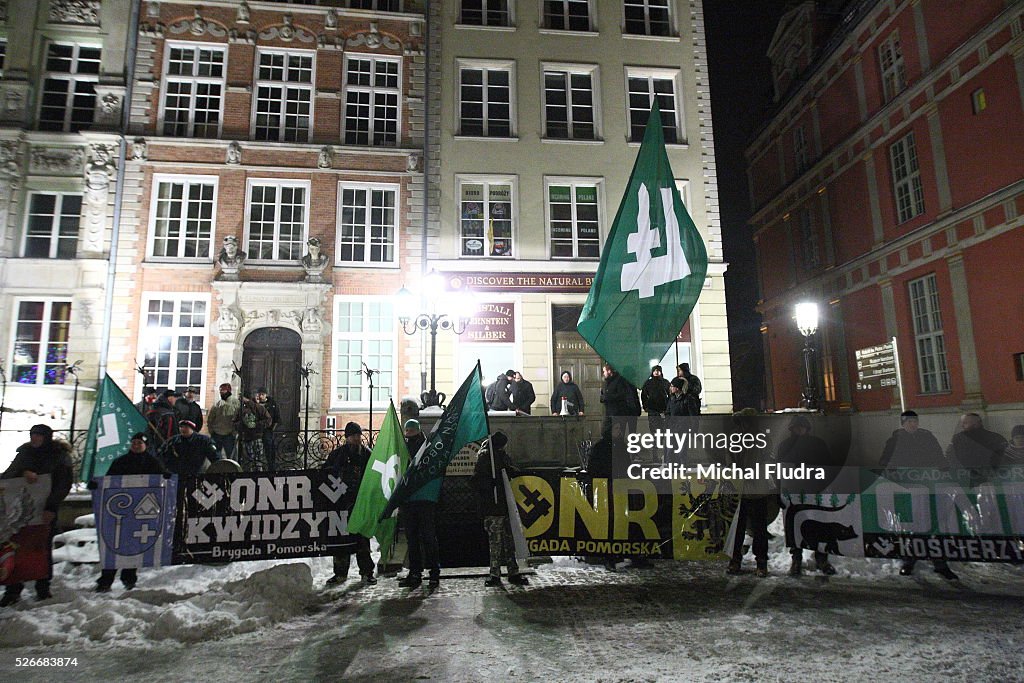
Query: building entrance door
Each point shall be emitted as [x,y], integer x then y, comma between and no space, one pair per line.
[271,358]
[571,352]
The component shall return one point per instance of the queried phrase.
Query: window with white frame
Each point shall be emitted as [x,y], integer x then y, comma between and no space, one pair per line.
[573,219]
[485,99]
[567,15]
[68,98]
[890,59]
[183,217]
[809,250]
[40,345]
[485,13]
[172,342]
[368,224]
[277,220]
[800,149]
[193,91]
[372,94]
[379,5]
[569,102]
[51,229]
[486,211]
[284,96]
[647,17]
[929,341]
[364,332]
[644,86]
[906,178]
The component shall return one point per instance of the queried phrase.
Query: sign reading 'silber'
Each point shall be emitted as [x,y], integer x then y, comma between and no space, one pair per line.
[652,268]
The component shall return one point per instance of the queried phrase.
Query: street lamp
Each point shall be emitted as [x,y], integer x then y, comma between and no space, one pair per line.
[73,370]
[807,323]
[455,319]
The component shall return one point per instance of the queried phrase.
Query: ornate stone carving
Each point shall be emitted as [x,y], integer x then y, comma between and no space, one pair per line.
[412,163]
[110,103]
[326,158]
[373,39]
[314,261]
[57,160]
[243,13]
[228,322]
[287,32]
[10,176]
[312,323]
[9,157]
[153,10]
[198,26]
[83,309]
[14,99]
[234,154]
[140,150]
[154,30]
[331,20]
[98,172]
[236,36]
[75,12]
[230,259]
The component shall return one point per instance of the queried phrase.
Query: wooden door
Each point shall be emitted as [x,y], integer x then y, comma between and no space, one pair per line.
[271,358]
[571,352]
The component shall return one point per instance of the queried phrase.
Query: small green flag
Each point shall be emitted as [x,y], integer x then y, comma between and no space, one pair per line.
[463,421]
[652,268]
[114,421]
[388,462]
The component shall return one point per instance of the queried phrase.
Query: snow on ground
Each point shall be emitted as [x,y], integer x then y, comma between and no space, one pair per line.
[267,621]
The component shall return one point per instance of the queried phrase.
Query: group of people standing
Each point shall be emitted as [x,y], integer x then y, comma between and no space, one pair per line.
[511,392]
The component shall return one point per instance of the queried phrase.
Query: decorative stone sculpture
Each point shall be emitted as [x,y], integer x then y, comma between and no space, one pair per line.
[230,259]
[140,151]
[234,155]
[325,158]
[243,13]
[98,173]
[315,261]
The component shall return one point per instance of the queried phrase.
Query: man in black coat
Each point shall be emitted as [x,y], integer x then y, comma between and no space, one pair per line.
[654,394]
[269,447]
[570,391]
[42,455]
[349,461]
[149,397]
[186,453]
[498,394]
[419,520]
[490,489]
[523,394]
[620,401]
[188,409]
[136,461]
[163,419]
[976,449]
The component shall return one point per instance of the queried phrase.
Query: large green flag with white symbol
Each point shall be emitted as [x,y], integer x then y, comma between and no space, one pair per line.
[652,268]
[114,421]
[388,462]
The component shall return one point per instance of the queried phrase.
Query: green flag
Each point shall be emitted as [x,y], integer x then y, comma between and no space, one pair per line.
[463,421]
[387,464]
[652,268]
[114,421]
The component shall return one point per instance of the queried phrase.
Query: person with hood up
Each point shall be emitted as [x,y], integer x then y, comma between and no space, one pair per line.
[568,391]
[42,455]
[522,394]
[490,489]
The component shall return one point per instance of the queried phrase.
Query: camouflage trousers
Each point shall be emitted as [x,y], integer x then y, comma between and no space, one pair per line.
[499,542]
[252,456]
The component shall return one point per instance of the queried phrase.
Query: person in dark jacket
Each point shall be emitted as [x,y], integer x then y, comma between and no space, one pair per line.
[418,518]
[136,461]
[620,401]
[149,397]
[42,455]
[976,448]
[186,453]
[269,447]
[490,489]
[693,388]
[348,461]
[251,421]
[913,447]
[676,403]
[654,394]
[522,394]
[570,391]
[188,409]
[498,394]
[163,419]
[802,447]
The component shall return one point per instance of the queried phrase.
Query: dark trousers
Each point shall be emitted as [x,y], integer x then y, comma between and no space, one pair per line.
[129,577]
[224,442]
[269,451]
[363,559]
[753,511]
[421,531]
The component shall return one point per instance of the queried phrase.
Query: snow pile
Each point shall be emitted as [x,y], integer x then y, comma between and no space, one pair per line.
[186,604]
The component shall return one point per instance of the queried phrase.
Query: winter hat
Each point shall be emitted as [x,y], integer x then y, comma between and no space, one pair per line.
[141,436]
[226,385]
[187,423]
[148,391]
[907,415]
[412,424]
[261,390]
[1017,431]
[499,440]
[656,367]
[509,372]
[170,392]
[352,428]
[678,383]
[42,429]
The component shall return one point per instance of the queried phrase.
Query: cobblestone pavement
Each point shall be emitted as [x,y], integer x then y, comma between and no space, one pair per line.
[675,621]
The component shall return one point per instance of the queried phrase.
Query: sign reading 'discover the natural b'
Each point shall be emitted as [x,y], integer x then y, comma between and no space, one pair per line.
[250,516]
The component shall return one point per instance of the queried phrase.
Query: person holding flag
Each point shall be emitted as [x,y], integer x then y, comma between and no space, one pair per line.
[114,419]
[385,466]
[652,268]
[492,461]
[348,461]
[420,524]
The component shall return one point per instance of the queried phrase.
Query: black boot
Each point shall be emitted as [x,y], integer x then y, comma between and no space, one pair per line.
[796,567]
[907,568]
[411,581]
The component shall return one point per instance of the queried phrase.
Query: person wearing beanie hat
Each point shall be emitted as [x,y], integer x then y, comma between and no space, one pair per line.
[676,405]
[490,488]
[149,397]
[188,408]
[42,455]
[187,452]
[348,461]
[221,421]
[419,519]
[1013,454]
[163,419]
[251,421]
[910,446]
[269,447]
[137,460]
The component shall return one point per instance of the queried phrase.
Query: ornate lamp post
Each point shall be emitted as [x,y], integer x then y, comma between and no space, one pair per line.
[807,323]
[73,370]
[412,321]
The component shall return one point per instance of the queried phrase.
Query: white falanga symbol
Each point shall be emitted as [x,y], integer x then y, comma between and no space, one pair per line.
[650,271]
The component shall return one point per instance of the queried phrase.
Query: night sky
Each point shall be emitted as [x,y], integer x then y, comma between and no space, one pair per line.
[738,33]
